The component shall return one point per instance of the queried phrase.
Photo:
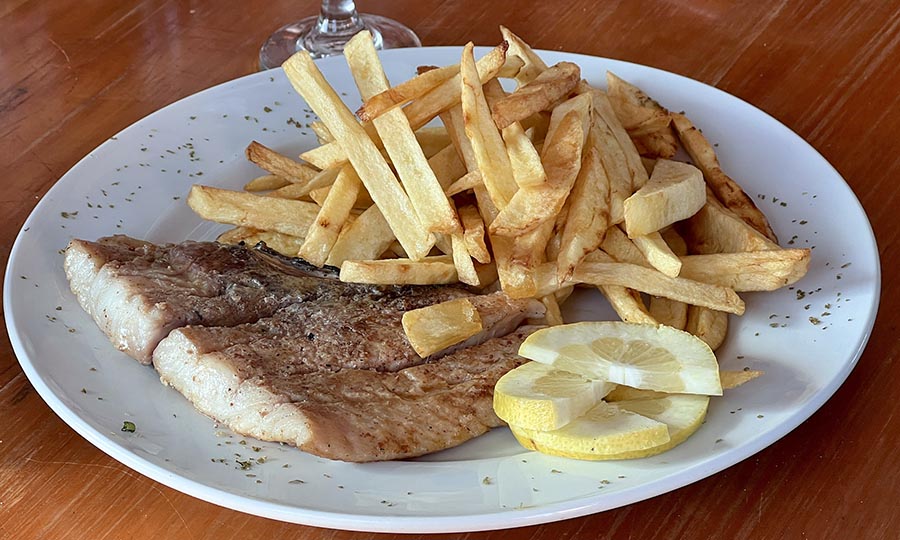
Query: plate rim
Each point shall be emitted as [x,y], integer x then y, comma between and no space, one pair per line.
[444,523]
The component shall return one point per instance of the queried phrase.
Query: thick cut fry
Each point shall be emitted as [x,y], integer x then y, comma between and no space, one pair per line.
[326,156]
[726,189]
[437,270]
[669,312]
[532,206]
[588,214]
[428,200]
[371,167]
[279,165]
[617,244]
[447,166]
[405,92]
[249,210]
[552,85]
[674,192]
[659,144]
[707,324]
[266,183]
[615,165]
[321,131]
[716,229]
[523,156]
[297,191]
[658,284]
[733,379]
[487,144]
[282,243]
[455,124]
[432,140]
[362,202]
[658,253]
[627,304]
[446,95]
[434,328]
[646,121]
[604,110]
[473,228]
[465,183]
[335,210]
[533,65]
[462,260]
[748,271]
[367,237]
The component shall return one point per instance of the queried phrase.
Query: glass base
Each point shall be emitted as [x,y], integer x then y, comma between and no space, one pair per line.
[386,33]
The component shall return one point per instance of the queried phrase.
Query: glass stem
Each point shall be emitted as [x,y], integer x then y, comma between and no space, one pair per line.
[338,17]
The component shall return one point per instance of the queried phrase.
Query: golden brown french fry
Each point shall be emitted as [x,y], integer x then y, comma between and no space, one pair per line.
[464,183]
[434,328]
[716,229]
[675,192]
[327,156]
[533,65]
[453,121]
[362,153]
[748,271]
[646,121]
[627,304]
[432,139]
[249,210]
[658,284]
[523,156]
[658,253]
[437,270]
[474,232]
[425,193]
[552,85]
[282,243]
[588,215]
[447,166]
[367,237]
[487,144]
[617,244]
[266,182]
[733,379]
[659,144]
[462,260]
[604,110]
[561,157]
[321,131]
[335,210]
[726,189]
[405,92]
[299,190]
[615,165]
[707,324]
[279,165]
[363,200]
[669,312]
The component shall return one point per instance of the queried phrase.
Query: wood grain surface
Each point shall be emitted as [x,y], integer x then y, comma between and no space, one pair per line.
[74,72]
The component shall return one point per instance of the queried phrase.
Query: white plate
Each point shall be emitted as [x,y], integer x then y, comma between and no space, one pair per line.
[135,184]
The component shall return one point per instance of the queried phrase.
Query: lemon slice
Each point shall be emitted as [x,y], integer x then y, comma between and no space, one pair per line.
[604,432]
[538,396]
[642,356]
[683,414]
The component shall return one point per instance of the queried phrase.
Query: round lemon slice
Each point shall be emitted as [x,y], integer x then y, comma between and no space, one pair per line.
[538,396]
[683,414]
[642,356]
[604,432]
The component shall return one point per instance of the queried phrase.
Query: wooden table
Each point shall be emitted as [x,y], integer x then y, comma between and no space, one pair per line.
[72,73]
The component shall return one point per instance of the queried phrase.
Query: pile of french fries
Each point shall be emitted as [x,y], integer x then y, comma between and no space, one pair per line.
[448,177]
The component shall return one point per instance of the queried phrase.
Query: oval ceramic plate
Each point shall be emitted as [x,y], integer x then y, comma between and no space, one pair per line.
[806,338]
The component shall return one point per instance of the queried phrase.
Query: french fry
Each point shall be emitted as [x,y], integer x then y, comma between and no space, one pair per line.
[282,243]
[523,157]
[707,324]
[665,310]
[266,182]
[552,85]
[321,131]
[327,156]
[604,110]
[561,157]
[279,165]
[299,190]
[434,328]
[248,210]
[658,284]
[588,214]
[487,145]
[425,193]
[405,92]
[646,121]
[617,244]
[659,144]
[627,303]
[532,63]
[367,237]
[727,190]
[675,192]
[748,271]
[432,140]
[362,153]
[447,166]
[466,182]
[335,210]
[453,121]
[473,231]
[438,270]
[716,229]
[462,261]
[658,253]
[615,166]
